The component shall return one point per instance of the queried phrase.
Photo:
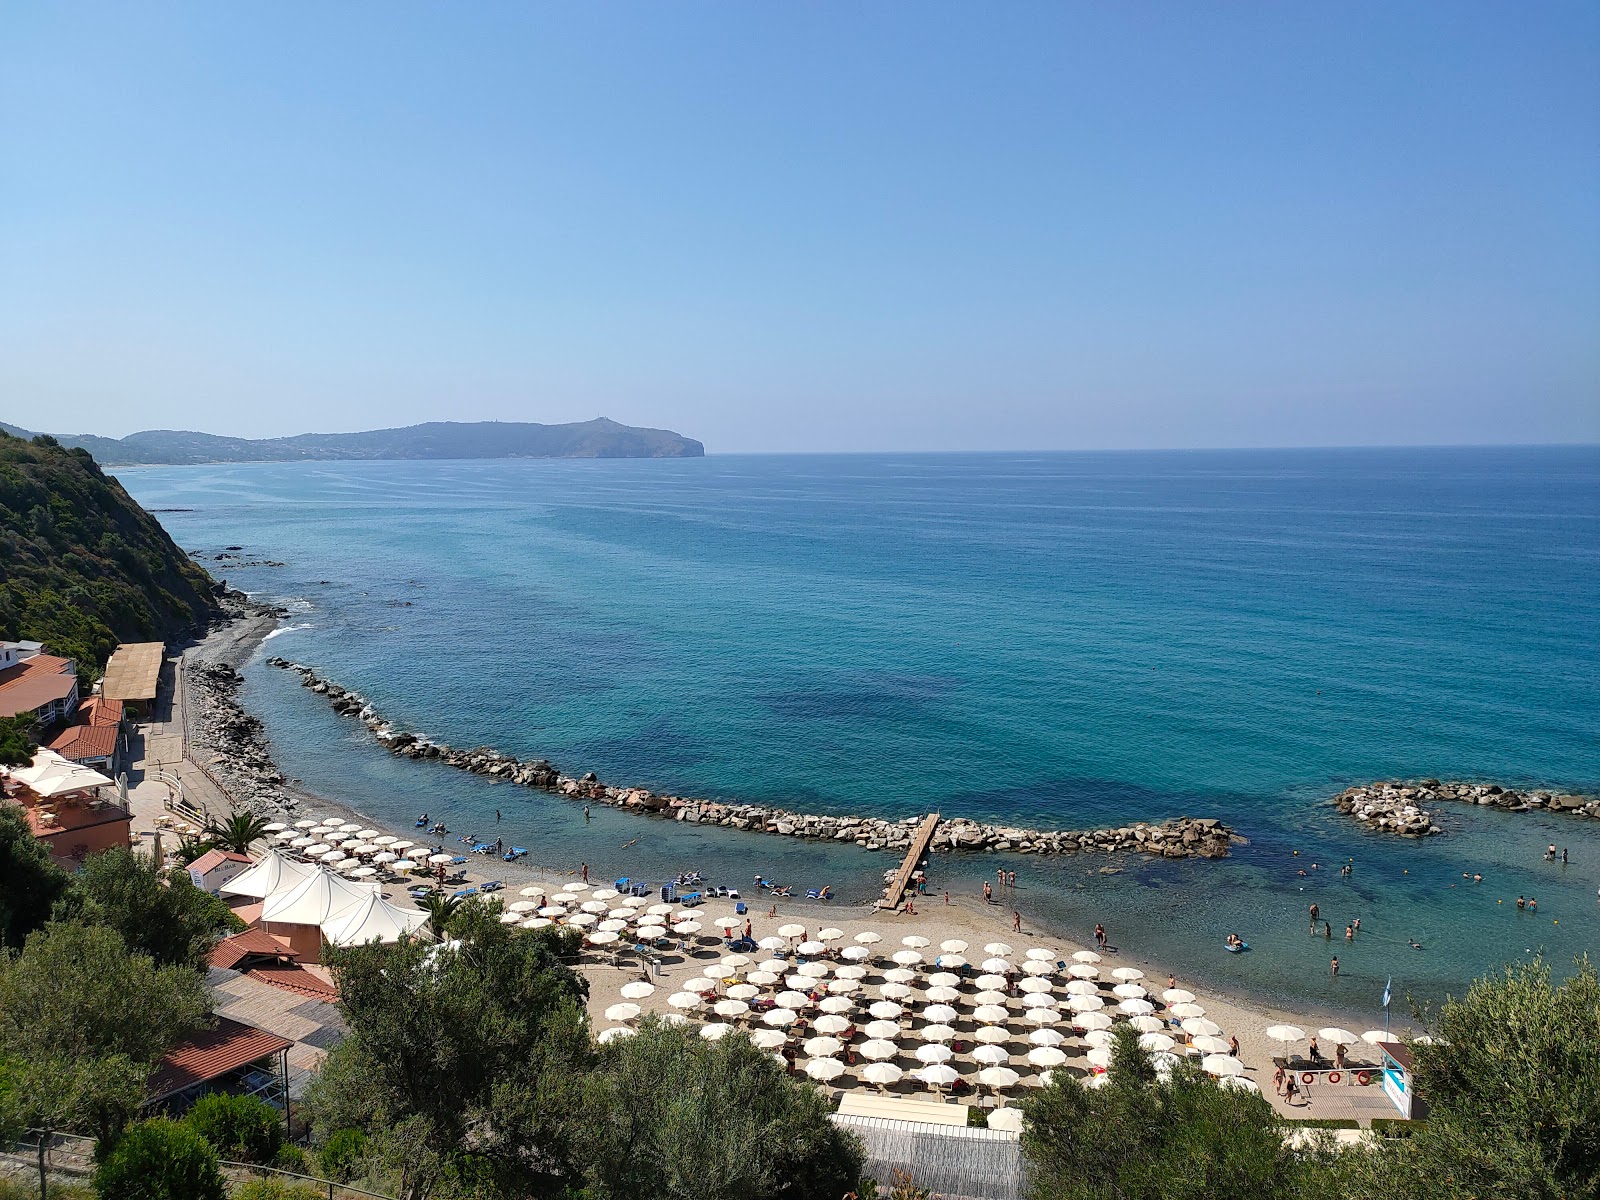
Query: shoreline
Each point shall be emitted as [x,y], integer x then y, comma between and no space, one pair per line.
[235,643]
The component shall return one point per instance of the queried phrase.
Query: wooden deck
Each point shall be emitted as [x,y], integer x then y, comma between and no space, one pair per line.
[914,854]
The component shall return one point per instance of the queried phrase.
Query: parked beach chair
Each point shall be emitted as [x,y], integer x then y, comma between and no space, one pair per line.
[691,899]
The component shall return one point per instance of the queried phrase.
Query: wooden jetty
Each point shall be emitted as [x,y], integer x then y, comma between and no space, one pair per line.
[917,851]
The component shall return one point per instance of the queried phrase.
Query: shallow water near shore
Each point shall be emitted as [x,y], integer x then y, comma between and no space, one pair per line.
[1053,640]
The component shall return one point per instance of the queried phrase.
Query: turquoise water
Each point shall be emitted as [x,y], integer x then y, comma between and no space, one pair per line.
[1056,640]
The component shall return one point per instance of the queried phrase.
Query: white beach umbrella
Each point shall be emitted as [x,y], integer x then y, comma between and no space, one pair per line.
[883,1030]
[1209,1045]
[577,885]
[900,975]
[881,1073]
[1100,1039]
[366,872]
[762,978]
[645,922]
[933,1054]
[1373,1036]
[421,852]
[953,946]
[1041,1016]
[829,934]
[851,971]
[1128,991]
[1047,1037]
[916,941]
[622,1012]
[552,911]
[734,962]
[844,987]
[768,1039]
[1040,954]
[662,910]
[822,1047]
[998,1077]
[583,920]
[607,1036]
[318,849]
[991,1055]
[937,1033]
[1184,1011]
[404,847]
[1083,971]
[831,1023]
[951,961]
[1085,956]
[992,1034]
[594,906]
[564,897]
[868,937]
[1238,1083]
[989,997]
[1046,1056]
[689,1000]
[1092,1021]
[886,1010]
[907,958]
[288,835]
[304,824]
[609,926]
[685,928]
[943,995]
[1286,1033]
[998,950]
[836,1004]
[537,923]
[384,857]
[779,1017]
[1178,996]
[1034,967]
[1200,1025]
[855,954]
[602,937]
[437,859]
[1155,1042]
[824,1069]
[1085,1004]
[351,844]
[1135,1007]
[1336,1036]
[1100,1057]
[1039,1000]
[620,914]
[791,931]
[878,1050]
[1082,987]
[993,982]
[947,979]
[739,991]
[1127,974]
[715,1030]
[940,1014]
[815,970]
[1221,1064]
[1148,1024]
[333,856]
[791,999]
[938,1074]
[1007,1120]
[638,990]
[1034,985]
[995,966]
[509,919]
[605,893]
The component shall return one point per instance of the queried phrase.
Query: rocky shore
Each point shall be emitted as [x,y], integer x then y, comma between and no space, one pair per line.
[1401,807]
[1181,837]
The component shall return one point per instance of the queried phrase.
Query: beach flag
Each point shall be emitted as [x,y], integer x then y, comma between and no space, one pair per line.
[1388,983]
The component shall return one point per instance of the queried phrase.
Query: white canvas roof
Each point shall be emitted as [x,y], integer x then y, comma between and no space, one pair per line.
[315,899]
[373,920]
[274,873]
[52,775]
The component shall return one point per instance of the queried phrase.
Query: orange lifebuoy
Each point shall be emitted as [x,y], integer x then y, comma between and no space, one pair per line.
[1308,1077]
[1363,1077]
[1333,1077]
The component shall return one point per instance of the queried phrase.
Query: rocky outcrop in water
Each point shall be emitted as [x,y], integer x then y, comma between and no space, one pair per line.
[1400,807]
[1183,837]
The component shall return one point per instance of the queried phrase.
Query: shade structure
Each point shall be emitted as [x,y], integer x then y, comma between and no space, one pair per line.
[601,937]
[1135,1007]
[822,1047]
[1039,954]
[1145,1023]
[1183,1010]
[699,984]
[318,898]
[1155,1042]
[604,893]
[383,857]
[855,953]
[606,1036]
[1238,1083]
[1042,1016]
[638,990]
[1047,1056]
[274,873]
[996,966]
[439,859]
[1100,1039]
[739,991]
[690,1000]
[831,1023]
[989,1013]
[888,1030]
[594,906]
[991,1055]
[715,1030]
[1008,1120]
[824,1069]
[762,978]
[878,1050]
[1047,1037]
[1221,1064]
[1286,1033]
[685,928]
[1092,1020]
[869,937]
[1039,1001]
[791,931]
[1127,974]
[998,1077]
[622,1012]
[951,961]
[1085,1004]
[916,941]
[305,823]
[907,958]
[537,923]
[989,997]
[735,962]
[1128,991]
[942,1014]
[1100,1057]
[1178,996]
[1035,985]
[1373,1036]
[1202,1026]
[993,982]
[50,774]
[815,970]
[1035,967]
[998,949]
[844,987]
[791,999]
[610,925]
[881,1073]
[953,946]
[937,1033]
[947,979]
[1209,1045]
[768,1039]
[373,920]
[779,1017]
[830,934]
[933,1053]
[1336,1036]
[552,911]
[938,1074]
[992,1034]
[899,975]
[851,971]
[886,1010]
[836,1004]
[1083,971]
[1085,956]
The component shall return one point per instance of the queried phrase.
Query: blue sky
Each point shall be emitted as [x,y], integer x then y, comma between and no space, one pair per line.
[809,226]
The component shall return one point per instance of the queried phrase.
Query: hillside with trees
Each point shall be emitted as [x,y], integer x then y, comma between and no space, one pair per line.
[82,566]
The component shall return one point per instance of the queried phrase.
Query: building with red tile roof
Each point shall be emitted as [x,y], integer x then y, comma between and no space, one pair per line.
[211,1055]
[251,948]
[41,684]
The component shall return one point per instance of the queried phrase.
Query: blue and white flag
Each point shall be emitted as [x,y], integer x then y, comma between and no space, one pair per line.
[1387,984]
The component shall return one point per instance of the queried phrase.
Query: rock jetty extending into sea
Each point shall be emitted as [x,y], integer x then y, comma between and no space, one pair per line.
[1181,837]
[1399,807]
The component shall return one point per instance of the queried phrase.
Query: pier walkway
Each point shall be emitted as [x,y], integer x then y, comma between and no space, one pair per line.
[917,851]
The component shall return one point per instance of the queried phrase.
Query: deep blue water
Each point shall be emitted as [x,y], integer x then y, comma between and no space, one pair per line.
[1053,639]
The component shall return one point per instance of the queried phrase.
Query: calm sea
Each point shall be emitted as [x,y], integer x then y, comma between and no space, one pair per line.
[1051,639]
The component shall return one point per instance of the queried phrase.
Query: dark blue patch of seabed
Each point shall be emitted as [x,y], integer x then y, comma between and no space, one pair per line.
[1172,913]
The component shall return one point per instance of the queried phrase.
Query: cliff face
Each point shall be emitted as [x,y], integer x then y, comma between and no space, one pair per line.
[600,438]
[82,566]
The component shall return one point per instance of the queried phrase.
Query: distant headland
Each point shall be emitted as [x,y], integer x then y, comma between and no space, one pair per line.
[599,438]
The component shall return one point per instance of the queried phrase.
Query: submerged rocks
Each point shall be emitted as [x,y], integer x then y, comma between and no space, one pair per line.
[1399,807]
[1184,837]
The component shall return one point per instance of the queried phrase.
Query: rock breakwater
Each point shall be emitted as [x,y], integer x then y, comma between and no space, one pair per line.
[1401,807]
[1181,837]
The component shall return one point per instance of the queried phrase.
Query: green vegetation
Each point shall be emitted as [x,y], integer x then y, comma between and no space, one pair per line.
[344,1154]
[30,883]
[19,738]
[159,913]
[441,909]
[238,831]
[277,1189]
[668,1114]
[239,1128]
[82,567]
[160,1160]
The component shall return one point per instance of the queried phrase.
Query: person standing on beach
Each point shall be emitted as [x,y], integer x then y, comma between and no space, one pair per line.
[1016,921]
[1011,880]
[584,869]
[988,892]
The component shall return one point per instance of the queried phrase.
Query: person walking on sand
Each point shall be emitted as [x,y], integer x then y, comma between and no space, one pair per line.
[947,897]
[583,869]
[1100,936]
[1016,921]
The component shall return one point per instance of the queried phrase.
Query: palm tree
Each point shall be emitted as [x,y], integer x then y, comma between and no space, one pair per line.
[440,909]
[238,831]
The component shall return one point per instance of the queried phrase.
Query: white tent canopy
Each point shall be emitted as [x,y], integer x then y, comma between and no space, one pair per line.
[374,920]
[315,900]
[274,873]
[52,775]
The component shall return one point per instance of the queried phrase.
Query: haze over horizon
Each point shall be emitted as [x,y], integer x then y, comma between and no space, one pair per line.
[818,229]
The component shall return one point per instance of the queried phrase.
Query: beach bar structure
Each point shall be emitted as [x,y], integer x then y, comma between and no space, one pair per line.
[229,1057]
[133,675]
[73,809]
[1397,1081]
